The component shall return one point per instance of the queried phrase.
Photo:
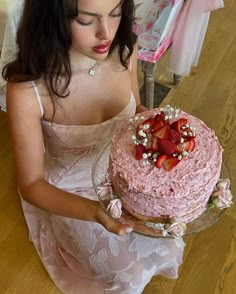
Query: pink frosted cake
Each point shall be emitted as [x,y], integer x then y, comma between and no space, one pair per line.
[164,165]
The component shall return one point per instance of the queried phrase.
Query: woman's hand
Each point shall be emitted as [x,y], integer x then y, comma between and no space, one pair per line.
[111,224]
[141,108]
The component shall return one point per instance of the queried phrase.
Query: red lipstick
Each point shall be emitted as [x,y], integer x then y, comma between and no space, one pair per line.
[103,48]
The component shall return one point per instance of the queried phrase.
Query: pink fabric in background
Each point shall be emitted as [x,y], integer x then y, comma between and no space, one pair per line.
[161,22]
[189,34]
[154,26]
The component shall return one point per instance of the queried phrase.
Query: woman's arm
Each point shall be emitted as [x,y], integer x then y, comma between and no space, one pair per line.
[27,139]
[134,81]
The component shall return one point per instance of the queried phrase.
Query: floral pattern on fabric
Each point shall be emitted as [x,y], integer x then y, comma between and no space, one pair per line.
[155,20]
[80,256]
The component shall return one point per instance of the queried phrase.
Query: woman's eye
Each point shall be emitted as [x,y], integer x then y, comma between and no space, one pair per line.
[83,23]
[116,14]
[84,20]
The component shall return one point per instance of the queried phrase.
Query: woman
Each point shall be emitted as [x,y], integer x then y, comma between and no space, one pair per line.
[73,83]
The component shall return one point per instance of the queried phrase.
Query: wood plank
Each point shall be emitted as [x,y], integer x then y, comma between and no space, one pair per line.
[226,282]
[30,279]
[209,258]
[15,252]
[204,262]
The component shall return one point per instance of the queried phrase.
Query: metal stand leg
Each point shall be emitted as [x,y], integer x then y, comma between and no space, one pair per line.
[177,79]
[148,70]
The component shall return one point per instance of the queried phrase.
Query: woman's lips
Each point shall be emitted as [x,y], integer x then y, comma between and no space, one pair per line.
[103,48]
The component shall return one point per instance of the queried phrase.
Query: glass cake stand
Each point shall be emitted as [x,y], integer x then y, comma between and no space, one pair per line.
[100,180]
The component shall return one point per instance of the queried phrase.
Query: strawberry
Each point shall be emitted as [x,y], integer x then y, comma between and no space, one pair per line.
[170,162]
[174,136]
[188,146]
[159,121]
[154,145]
[150,121]
[146,127]
[160,160]
[166,147]
[163,132]
[178,124]
[160,117]
[188,133]
[158,125]
[140,149]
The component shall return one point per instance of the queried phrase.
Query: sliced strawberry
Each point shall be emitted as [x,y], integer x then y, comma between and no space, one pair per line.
[180,148]
[174,136]
[178,124]
[158,125]
[159,121]
[141,132]
[166,147]
[140,149]
[154,145]
[188,146]
[160,117]
[162,133]
[150,121]
[170,162]
[160,160]
[145,127]
[188,133]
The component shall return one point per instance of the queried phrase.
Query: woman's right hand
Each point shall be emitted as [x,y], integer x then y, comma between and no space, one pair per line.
[111,224]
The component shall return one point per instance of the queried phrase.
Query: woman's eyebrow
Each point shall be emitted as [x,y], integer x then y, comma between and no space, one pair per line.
[97,14]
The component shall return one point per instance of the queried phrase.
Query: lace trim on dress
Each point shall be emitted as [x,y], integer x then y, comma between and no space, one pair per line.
[131,102]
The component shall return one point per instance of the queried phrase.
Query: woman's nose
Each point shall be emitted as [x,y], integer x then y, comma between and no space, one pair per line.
[103,32]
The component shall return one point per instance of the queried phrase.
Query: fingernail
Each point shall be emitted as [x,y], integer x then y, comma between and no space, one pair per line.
[128,230]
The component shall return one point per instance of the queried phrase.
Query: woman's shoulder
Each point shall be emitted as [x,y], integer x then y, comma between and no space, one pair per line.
[21,97]
[19,91]
[19,87]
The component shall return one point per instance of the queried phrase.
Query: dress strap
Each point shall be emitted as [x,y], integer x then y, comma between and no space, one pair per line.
[38,98]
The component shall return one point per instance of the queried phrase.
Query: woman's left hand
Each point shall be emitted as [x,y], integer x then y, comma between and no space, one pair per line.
[111,224]
[141,108]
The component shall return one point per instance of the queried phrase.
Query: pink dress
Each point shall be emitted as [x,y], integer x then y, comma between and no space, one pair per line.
[80,256]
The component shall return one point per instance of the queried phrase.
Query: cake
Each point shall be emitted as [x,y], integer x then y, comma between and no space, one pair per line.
[164,165]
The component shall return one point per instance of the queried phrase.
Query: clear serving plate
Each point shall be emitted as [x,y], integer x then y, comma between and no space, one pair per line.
[100,178]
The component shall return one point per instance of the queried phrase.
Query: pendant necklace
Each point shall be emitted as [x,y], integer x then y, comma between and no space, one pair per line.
[91,70]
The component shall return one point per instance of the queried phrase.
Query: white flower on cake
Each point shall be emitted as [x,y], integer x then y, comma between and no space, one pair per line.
[222,196]
[223,184]
[176,230]
[166,142]
[115,208]
[105,189]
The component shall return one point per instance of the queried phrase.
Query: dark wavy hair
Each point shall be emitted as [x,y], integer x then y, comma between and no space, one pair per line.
[44,40]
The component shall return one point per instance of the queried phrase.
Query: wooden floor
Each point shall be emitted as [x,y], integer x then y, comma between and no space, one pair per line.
[209,265]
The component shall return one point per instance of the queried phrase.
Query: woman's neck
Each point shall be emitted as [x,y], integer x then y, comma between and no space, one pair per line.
[81,63]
